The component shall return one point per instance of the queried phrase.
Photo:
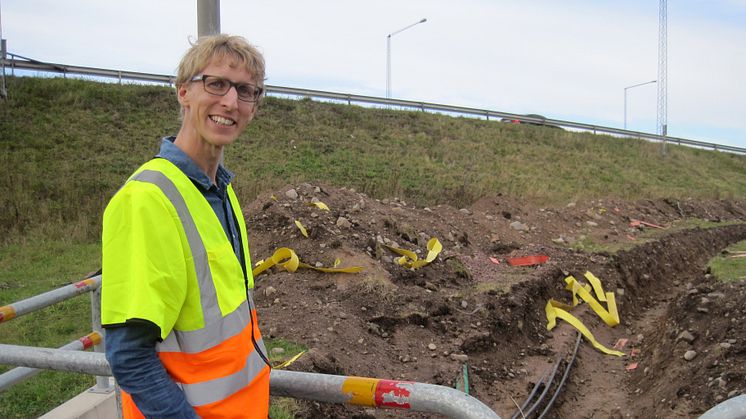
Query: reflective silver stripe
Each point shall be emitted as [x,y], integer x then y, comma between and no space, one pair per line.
[194,341]
[250,296]
[208,296]
[207,392]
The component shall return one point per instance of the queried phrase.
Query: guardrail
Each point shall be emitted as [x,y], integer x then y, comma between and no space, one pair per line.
[29,64]
[359,391]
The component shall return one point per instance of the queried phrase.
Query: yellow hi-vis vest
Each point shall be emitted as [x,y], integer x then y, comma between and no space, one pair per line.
[166,259]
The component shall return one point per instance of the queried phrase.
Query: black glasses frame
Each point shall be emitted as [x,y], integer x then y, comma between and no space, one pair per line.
[258,91]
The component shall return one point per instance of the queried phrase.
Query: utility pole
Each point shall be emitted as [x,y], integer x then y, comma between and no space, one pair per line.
[3,54]
[662,74]
[208,17]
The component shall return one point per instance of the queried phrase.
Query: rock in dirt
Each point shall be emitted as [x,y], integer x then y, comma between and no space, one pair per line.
[689,355]
[460,357]
[518,226]
[686,336]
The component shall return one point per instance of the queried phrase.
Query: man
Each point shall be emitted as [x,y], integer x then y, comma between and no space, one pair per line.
[182,335]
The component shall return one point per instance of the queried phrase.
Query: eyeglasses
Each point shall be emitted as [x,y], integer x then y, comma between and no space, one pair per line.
[219,86]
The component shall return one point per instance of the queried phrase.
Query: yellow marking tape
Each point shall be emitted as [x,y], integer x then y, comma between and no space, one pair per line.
[290,361]
[319,205]
[289,261]
[285,257]
[361,390]
[555,309]
[410,259]
[301,228]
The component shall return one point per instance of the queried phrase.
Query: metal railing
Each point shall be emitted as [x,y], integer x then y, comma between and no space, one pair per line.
[23,63]
[93,339]
[359,391]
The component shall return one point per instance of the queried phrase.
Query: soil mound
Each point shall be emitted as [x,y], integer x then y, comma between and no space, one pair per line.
[472,307]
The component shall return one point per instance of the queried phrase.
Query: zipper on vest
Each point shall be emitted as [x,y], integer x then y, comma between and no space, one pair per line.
[253,339]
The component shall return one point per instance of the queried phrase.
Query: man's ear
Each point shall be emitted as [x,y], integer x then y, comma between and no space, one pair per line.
[181,93]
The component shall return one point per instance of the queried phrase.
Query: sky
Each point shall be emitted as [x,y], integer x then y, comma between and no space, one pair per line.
[569,60]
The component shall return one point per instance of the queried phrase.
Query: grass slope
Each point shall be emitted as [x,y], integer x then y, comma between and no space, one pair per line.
[67,145]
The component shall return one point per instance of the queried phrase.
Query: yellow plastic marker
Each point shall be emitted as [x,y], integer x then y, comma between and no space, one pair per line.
[610,316]
[319,205]
[289,361]
[555,309]
[288,260]
[285,257]
[410,259]
[301,228]
[350,270]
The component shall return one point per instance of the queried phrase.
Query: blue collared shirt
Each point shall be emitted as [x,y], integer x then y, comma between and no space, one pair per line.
[130,349]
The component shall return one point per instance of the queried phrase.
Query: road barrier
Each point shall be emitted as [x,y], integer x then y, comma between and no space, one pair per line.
[358,391]
[23,63]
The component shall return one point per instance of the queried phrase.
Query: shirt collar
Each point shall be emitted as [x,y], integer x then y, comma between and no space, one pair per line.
[175,155]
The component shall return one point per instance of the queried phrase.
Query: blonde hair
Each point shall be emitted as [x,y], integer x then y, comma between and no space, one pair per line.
[206,48]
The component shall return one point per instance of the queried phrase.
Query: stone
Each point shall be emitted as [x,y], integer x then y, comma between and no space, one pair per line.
[343,222]
[269,291]
[591,223]
[278,351]
[725,345]
[459,357]
[292,194]
[432,346]
[690,355]
[686,336]
[518,226]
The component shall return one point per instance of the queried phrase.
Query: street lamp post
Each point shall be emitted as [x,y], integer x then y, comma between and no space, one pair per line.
[388,55]
[625,98]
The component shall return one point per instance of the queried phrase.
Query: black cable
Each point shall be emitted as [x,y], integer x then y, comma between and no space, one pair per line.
[530,395]
[550,380]
[564,377]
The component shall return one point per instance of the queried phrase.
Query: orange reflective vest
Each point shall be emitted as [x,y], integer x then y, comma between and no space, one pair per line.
[166,259]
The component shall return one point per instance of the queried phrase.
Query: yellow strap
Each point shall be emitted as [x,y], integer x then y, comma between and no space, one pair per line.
[597,288]
[350,270]
[283,256]
[301,228]
[290,361]
[288,260]
[610,317]
[554,309]
[410,259]
[319,205]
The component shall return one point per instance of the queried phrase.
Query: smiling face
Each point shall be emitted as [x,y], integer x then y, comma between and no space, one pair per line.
[211,122]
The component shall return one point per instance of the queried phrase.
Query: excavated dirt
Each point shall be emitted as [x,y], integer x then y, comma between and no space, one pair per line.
[470,307]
